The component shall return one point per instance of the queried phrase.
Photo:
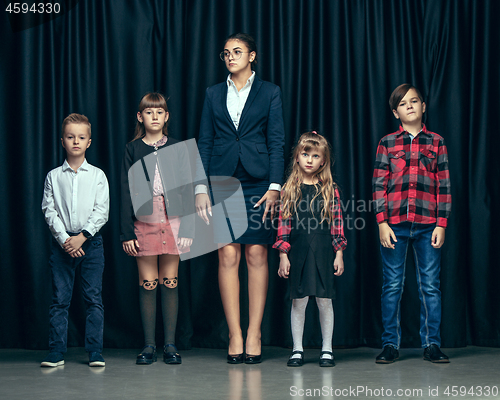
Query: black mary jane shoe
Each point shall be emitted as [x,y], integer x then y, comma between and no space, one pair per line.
[249,359]
[296,362]
[146,358]
[326,362]
[171,357]
[235,359]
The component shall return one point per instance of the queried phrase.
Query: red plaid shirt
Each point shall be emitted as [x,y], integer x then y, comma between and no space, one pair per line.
[411,180]
[337,229]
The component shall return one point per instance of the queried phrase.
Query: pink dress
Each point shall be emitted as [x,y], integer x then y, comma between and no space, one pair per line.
[156,233]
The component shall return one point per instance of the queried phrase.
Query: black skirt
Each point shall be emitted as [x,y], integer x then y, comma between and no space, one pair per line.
[244,224]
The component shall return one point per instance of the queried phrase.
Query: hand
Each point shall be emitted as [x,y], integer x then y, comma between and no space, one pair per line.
[74,243]
[203,207]
[271,198]
[386,234]
[438,237]
[183,243]
[77,253]
[284,268]
[338,263]
[130,247]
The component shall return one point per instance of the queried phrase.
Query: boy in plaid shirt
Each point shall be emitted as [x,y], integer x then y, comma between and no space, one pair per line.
[411,190]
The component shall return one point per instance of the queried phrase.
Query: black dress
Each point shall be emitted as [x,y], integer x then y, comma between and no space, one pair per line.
[311,254]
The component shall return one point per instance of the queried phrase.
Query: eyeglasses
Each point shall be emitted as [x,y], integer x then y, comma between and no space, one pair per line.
[224,55]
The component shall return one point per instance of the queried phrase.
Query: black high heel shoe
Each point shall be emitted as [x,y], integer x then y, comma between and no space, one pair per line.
[235,359]
[146,358]
[253,359]
[171,357]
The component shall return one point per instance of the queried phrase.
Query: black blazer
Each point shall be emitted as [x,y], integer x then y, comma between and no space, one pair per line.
[260,137]
[175,171]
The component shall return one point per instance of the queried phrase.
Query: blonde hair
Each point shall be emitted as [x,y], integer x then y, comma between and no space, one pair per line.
[150,100]
[75,118]
[325,186]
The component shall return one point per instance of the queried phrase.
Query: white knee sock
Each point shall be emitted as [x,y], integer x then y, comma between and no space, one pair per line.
[325,308]
[298,317]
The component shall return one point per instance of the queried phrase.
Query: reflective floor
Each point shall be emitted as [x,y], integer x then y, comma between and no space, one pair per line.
[474,373]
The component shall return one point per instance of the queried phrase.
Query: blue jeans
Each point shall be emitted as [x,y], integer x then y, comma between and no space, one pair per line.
[63,268]
[427,266]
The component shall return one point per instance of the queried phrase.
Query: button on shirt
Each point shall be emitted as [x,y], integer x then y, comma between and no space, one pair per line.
[411,179]
[75,201]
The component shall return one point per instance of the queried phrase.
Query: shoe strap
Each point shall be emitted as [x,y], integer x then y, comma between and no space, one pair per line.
[148,345]
[327,352]
[297,352]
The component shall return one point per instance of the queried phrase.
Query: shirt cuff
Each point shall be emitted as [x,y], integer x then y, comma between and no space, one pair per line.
[275,186]
[381,217]
[282,246]
[61,238]
[199,189]
[339,243]
[90,229]
[442,222]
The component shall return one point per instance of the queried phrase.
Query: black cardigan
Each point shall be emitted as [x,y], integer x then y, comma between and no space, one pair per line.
[176,175]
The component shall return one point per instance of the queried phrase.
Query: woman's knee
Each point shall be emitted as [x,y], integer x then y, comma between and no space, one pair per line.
[256,256]
[229,257]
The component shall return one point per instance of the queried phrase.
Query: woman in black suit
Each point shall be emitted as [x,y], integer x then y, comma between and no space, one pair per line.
[242,136]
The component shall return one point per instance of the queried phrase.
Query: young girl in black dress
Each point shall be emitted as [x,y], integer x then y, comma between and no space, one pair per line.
[311,240]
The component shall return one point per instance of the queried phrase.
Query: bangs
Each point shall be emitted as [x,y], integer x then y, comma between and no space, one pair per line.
[153,100]
[311,144]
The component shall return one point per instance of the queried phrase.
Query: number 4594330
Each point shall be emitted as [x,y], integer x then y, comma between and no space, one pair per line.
[36,8]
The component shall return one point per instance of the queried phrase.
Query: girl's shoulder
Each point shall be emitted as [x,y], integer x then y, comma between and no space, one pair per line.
[137,149]
[133,144]
[172,140]
[332,184]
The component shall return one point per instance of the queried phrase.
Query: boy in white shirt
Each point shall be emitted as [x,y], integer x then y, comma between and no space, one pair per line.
[76,206]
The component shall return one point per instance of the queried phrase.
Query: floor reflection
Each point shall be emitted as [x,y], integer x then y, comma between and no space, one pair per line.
[248,381]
